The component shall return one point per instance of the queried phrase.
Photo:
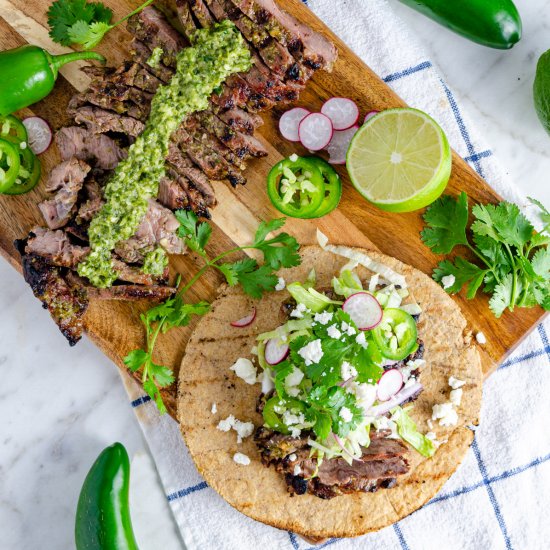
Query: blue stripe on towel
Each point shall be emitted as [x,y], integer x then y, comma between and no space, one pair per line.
[407,72]
[399,533]
[492,496]
[184,492]
[140,401]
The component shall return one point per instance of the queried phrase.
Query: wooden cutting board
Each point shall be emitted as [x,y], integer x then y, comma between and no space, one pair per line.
[115,326]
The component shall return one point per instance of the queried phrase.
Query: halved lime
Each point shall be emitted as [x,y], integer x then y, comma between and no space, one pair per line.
[400,160]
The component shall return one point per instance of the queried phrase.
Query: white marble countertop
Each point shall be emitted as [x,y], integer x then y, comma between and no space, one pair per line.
[60,406]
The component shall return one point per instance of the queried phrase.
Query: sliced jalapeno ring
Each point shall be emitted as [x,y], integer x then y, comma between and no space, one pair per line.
[396,334]
[296,187]
[333,189]
[29,173]
[272,419]
[11,128]
[9,164]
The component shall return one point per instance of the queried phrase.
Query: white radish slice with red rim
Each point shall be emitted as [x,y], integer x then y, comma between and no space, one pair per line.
[364,310]
[343,112]
[275,351]
[245,321]
[396,400]
[339,145]
[290,121]
[370,114]
[389,384]
[315,131]
[39,134]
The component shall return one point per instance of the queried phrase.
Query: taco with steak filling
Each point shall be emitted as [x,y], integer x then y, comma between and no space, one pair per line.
[344,406]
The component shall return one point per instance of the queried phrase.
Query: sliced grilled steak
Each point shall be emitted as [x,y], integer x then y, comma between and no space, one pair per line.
[379,467]
[99,149]
[142,53]
[131,293]
[135,275]
[158,227]
[129,73]
[201,12]
[306,45]
[152,27]
[241,120]
[66,305]
[65,181]
[171,194]
[94,201]
[100,121]
[54,247]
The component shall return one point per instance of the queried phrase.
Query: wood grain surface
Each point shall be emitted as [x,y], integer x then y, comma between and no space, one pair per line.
[115,326]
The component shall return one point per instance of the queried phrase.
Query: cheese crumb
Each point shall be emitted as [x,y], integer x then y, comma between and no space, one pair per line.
[293,158]
[299,311]
[333,332]
[312,352]
[433,438]
[214,408]
[448,281]
[345,414]
[430,424]
[456,397]
[297,470]
[241,458]
[281,284]
[244,369]
[243,429]
[361,339]
[348,329]
[481,339]
[347,371]
[292,457]
[455,383]
[323,318]
[227,424]
[445,413]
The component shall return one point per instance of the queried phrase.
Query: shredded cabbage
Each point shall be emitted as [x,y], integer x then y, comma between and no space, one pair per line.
[407,430]
[309,297]
[347,284]
[284,332]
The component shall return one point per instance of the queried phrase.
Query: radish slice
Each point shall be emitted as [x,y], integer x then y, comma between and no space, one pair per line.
[245,321]
[370,115]
[339,145]
[315,131]
[343,112]
[364,310]
[290,121]
[396,400]
[39,134]
[275,351]
[390,384]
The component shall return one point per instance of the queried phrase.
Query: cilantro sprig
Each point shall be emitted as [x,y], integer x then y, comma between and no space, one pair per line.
[82,22]
[514,261]
[255,279]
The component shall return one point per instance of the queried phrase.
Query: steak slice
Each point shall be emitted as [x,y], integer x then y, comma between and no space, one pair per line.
[201,12]
[67,305]
[158,227]
[94,201]
[170,193]
[379,467]
[65,180]
[100,121]
[141,54]
[129,73]
[54,247]
[132,293]
[241,121]
[151,26]
[100,149]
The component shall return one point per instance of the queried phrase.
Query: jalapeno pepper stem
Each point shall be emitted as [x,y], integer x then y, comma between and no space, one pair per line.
[57,61]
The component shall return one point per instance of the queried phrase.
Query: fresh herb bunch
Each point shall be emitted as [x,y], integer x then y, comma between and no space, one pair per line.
[279,251]
[515,261]
[324,395]
[82,22]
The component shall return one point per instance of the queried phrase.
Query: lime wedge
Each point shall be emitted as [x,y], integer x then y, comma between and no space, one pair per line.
[400,160]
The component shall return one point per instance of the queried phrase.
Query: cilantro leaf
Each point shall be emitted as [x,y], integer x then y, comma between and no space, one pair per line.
[323,423]
[256,282]
[544,214]
[154,393]
[87,35]
[503,222]
[541,263]
[267,227]
[136,359]
[196,234]
[502,297]
[366,362]
[162,375]
[447,219]
[464,272]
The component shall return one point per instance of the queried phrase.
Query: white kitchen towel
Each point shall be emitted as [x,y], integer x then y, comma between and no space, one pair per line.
[499,497]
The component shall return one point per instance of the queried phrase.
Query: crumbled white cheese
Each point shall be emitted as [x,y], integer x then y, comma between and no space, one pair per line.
[323,318]
[297,470]
[455,383]
[293,380]
[264,378]
[456,397]
[299,311]
[384,423]
[347,371]
[254,350]
[410,382]
[361,339]
[445,413]
[244,369]
[333,332]
[23,145]
[289,418]
[243,429]
[241,459]
[226,424]
[348,329]
[365,394]
[292,457]
[346,415]
[448,281]
[281,284]
[295,432]
[433,438]
[312,352]
[481,339]
[430,424]
[214,408]
[293,158]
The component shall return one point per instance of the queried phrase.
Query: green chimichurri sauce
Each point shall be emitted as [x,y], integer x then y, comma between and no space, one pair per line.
[216,54]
